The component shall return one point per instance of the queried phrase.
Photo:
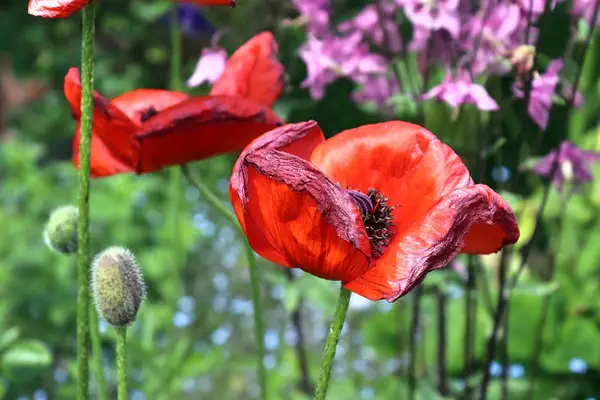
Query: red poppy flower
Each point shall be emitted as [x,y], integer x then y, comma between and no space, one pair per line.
[64,8]
[376,207]
[147,129]
[253,72]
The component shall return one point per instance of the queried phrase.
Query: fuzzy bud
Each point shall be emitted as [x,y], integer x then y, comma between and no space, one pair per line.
[117,286]
[60,233]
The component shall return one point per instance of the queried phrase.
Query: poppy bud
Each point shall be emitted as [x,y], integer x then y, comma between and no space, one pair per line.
[117,285]
[60,233]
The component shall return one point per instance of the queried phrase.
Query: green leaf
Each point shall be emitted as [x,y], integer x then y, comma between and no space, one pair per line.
[27,353]
[8,337]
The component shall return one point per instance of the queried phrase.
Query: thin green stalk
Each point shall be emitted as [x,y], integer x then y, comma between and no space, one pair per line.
[97,354]
[121,362]
[83,253]
[176,83]
[332,340]
[259,328]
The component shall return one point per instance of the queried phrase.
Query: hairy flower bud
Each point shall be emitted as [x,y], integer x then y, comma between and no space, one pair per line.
[117,286]
[60,233]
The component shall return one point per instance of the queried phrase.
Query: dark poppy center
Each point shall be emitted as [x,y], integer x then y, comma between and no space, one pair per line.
[377,218]
[148,113]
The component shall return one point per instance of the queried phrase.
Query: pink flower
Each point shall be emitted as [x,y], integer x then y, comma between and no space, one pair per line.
[209,68]
[542,89]
[316,15]
[498,33]
[367,22]
[377,89]
[433,15]
[333,57]
[457,92]
[583,9]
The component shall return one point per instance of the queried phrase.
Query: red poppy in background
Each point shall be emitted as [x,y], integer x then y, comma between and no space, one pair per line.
[253,72]
[376,207]
[64,8]
[147,129]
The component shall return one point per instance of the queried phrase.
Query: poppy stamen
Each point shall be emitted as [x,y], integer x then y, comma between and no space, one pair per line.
[148,113]
[377,218]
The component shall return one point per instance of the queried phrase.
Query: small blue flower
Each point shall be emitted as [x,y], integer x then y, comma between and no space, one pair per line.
[516,371]
[495,369]
[191,21]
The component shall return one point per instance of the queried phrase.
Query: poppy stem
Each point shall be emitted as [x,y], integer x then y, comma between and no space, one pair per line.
[121,362]
[332,340]
[83,252]
[97,354]
[259,327]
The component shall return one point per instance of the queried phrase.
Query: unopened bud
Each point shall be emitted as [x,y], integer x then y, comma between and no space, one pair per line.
[60,233]
[522,58]
[117,286]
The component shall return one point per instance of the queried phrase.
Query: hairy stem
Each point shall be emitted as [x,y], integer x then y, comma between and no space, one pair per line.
[97,354]
[259,327]
[332,340]
[83,253]
[121,362]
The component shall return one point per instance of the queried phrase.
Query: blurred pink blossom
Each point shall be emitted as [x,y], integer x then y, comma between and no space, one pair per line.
[209,68]
[332,57]
[368,23]
[433,15]
[316,15]
[584,9]
[542,90]
[457,92]
[377,89]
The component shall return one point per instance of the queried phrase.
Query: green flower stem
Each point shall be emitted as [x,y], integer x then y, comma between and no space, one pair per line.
[97,354]
[121,362]
[176,83]
[332,340]
[83,253]
[259,327]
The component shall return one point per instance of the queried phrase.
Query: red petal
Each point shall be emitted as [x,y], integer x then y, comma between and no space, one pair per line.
[297,139]
[230,3]
[199,128]
[253,72]
[136,102]
[112,133]
[405,162]
[434,240]
[297,217]
[102,161]
[54,8]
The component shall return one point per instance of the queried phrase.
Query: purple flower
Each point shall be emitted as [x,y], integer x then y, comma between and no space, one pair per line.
[433,15]
[497,33]
[210,66]
[333,57]
[191,20]
[457,92]
[573,165]
[316,15]
[376,89]
[368,23]
[583,9]
[542,90]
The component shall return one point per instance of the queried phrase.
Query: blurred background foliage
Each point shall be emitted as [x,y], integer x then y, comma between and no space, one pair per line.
[193,338]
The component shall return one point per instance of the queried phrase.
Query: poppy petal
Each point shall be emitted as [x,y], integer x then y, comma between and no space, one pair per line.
[112,132]
[142,102]
[434,240]
[199,128]
[253,72]
[229,3]
[102,161]
[296,139]
[55,8]
[403,161]
[297,217]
